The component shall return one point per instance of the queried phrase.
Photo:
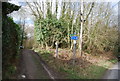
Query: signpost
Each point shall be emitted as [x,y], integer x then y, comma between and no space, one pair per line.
[74,38]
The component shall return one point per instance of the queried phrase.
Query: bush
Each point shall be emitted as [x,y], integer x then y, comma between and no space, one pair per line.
[10,41]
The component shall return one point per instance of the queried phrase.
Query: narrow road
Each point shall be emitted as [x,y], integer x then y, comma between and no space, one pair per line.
[31,67]
[113,72]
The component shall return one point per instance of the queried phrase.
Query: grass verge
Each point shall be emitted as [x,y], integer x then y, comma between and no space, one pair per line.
[83,69]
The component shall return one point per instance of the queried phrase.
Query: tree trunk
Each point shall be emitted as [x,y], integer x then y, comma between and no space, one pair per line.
[23,33]
[81,28]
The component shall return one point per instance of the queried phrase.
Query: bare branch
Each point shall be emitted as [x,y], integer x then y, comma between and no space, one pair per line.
[89,11]
[31,9]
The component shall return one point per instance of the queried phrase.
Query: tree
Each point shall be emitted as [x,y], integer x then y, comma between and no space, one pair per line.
[95,23]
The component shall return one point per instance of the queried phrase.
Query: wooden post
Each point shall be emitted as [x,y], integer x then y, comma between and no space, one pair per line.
[81,28]
[56,43]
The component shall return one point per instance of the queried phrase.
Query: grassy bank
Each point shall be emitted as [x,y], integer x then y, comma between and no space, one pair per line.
[84,68]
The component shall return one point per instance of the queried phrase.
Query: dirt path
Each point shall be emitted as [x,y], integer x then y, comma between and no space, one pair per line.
[113,72]
[32,67]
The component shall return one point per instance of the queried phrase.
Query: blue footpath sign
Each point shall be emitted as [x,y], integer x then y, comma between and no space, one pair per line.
[74,37]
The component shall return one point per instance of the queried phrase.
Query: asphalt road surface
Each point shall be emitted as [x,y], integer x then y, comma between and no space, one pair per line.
[33,67]
[113,72]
